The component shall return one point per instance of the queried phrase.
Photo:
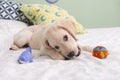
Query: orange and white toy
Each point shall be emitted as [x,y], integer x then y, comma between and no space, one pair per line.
[100,52]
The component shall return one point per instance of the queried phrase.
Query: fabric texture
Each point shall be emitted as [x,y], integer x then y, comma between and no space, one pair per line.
[45,14]
[10,10]
[84,67]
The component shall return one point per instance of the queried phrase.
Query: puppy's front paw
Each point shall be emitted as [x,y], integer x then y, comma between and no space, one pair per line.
[14,47]
[87,48]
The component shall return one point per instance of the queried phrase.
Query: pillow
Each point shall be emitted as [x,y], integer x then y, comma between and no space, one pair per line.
[5,26]
[44,14]
[10,10]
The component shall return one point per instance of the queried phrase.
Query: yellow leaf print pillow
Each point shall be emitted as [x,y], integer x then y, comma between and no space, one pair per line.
[45,14]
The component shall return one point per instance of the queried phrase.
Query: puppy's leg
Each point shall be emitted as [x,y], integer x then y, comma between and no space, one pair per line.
[14,47]
[86,48]
[22,38]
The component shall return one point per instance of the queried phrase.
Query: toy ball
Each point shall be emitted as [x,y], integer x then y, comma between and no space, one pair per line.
[51,1]
[26,56]
[100,52]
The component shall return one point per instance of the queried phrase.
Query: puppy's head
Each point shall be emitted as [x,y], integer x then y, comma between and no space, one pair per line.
[62,38]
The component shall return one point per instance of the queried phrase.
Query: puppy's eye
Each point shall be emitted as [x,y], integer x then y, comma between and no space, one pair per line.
[57,47]
[65,38]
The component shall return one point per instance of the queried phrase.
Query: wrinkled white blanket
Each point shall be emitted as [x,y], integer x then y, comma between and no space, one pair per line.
[85,67]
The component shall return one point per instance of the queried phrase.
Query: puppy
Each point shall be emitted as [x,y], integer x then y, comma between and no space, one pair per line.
[58,40]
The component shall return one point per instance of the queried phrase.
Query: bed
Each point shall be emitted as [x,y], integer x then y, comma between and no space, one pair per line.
[84,67]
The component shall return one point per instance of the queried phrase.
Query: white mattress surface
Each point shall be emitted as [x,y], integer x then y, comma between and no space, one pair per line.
[85,67]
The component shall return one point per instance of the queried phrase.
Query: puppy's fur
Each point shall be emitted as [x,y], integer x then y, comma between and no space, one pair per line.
[58,40]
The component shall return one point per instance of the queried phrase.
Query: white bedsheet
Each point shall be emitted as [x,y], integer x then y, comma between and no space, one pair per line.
[85,67]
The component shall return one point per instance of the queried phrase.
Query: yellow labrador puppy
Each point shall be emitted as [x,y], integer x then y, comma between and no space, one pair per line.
[58,40]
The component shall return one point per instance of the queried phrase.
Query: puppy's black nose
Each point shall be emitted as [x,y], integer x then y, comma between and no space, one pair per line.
[71,54]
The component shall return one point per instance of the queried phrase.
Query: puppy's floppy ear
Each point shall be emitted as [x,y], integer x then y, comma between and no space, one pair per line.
[47,45]
[69,26]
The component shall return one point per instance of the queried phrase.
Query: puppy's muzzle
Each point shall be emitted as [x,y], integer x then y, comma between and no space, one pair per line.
[71,54]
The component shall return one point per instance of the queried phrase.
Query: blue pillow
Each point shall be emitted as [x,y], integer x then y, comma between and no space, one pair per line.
[10,10]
